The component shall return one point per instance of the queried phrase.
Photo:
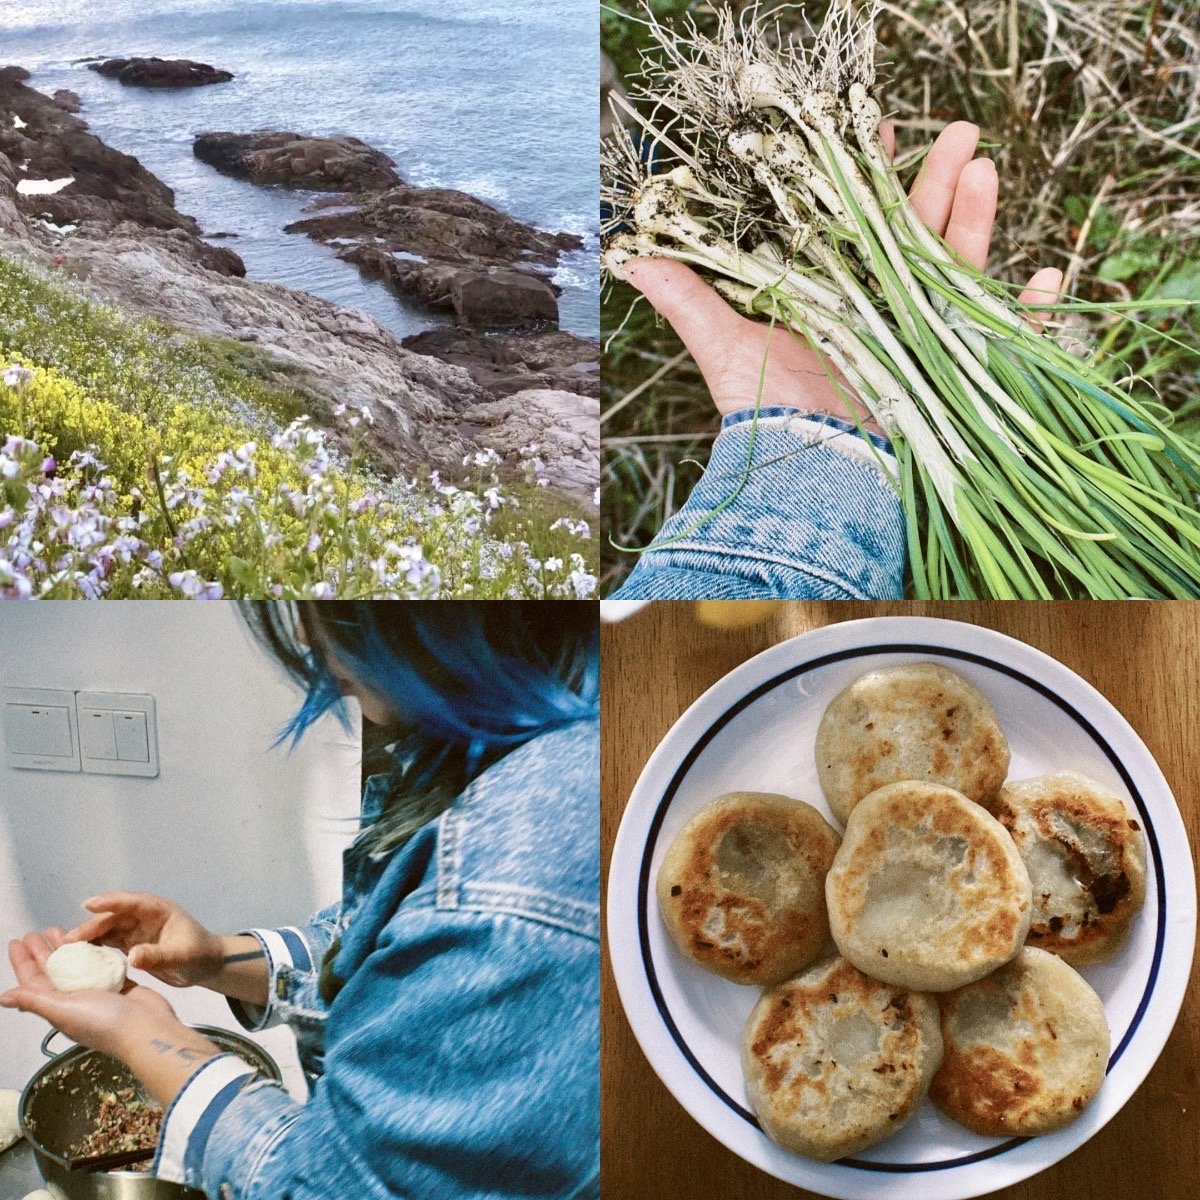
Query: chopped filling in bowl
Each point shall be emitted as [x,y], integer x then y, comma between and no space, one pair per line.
[124,1121]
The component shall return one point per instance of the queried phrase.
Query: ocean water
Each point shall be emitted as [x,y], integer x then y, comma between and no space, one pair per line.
[494,97]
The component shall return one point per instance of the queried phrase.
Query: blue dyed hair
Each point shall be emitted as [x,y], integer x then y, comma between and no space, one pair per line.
[469,680]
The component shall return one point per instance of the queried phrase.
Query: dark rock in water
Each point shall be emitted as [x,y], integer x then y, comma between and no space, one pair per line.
[443,248]
[68,100]
[336,164]
[503,300]
[516,362]
[160,72]
[107,187]
[13,74]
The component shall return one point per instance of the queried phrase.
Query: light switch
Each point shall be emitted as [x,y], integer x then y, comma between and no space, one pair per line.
[41,729]
[132,745]
[40,732]
[97,738]
[126,741]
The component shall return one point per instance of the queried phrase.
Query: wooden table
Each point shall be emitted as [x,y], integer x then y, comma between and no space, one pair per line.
[1145,657]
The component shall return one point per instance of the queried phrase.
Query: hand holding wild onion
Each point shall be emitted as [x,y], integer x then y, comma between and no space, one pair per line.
[1023,471]
[955,195]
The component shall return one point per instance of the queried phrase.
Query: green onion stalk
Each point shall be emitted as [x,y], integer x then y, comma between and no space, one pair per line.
[1024,470]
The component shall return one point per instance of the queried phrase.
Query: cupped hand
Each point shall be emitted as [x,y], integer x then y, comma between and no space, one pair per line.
[99,1020]
[158,936]
[955,195]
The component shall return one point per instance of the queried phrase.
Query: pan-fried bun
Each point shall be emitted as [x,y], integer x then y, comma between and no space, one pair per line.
[1086,858]
[1026,1048]
[835,1061]
[742,888]
[927,891]
[916,721]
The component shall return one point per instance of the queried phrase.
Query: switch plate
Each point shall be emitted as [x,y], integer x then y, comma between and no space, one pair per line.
[127,719]
[40,729]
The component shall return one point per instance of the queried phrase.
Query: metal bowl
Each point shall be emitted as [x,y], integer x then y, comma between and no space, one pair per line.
[58,1110]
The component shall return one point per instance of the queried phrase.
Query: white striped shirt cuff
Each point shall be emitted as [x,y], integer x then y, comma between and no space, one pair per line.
[192,1114]
[286,947]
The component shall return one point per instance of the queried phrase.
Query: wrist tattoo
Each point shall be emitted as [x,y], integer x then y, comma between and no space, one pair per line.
[180,1052]
[249,956]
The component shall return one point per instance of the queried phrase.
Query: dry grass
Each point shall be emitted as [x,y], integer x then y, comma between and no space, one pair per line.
[1091,110]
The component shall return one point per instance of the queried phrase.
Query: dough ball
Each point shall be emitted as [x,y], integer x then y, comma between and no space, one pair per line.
[82,967]
[10,1127]
[1086,858]
[835,1061]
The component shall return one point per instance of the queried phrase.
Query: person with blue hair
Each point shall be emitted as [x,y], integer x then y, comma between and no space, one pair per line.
[446,1010]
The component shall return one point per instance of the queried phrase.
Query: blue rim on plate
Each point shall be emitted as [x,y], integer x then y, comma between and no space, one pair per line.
[814,664]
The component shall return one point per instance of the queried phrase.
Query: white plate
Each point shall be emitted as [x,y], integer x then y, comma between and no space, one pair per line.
[755,730]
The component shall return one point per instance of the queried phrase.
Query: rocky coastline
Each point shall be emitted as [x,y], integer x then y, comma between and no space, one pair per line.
[502,377]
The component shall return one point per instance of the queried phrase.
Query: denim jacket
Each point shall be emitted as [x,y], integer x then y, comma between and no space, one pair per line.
[816,517]
[460,1057]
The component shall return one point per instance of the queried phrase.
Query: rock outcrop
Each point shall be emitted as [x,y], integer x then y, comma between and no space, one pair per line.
[323,164]
[68,100]
[160,72]
[450,252]
[546,360]
[444,249]
[43,141]
[562,425]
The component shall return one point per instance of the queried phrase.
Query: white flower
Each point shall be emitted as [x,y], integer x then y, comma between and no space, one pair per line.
[483,458]
[15,376]
[193,587]
[583,584]
[13,584]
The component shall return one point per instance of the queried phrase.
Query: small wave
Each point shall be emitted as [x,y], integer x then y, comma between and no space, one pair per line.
[578,270]
[587,225]
[484,187]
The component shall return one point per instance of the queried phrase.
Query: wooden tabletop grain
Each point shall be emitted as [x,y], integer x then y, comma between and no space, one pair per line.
[1145,657]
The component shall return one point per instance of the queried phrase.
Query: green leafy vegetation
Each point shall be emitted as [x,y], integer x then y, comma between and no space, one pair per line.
[136,461]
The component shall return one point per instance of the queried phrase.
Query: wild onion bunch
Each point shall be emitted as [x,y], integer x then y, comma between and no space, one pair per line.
[1023,469]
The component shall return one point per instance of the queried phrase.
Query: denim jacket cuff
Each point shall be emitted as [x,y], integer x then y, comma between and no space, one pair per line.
[286,947]
[773,411]
[190,1118]
[791,505]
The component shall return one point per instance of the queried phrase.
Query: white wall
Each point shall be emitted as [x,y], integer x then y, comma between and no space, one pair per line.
[236,832]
